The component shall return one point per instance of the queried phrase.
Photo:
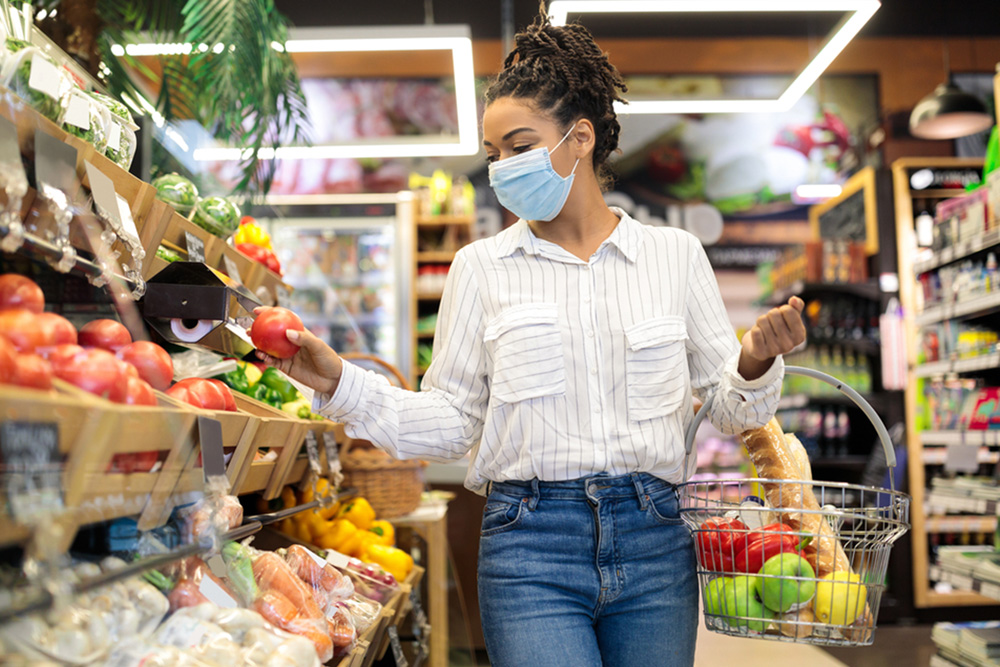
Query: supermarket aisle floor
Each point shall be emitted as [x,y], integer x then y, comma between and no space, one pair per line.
[714,649]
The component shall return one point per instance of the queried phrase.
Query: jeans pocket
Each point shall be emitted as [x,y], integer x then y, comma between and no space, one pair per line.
[662,505]
[500,516]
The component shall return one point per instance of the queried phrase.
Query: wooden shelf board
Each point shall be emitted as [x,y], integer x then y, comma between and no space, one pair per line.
[435,257]
[957,599]
[939,193]
[443,220]
[429,296]
[423,335]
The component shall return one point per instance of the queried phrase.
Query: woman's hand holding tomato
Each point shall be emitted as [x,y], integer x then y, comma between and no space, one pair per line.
[309,360]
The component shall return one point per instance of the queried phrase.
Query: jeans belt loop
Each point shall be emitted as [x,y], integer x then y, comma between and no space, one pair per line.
[639,489]
[533,498]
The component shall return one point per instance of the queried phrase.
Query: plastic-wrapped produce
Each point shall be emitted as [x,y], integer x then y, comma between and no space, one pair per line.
[177,191]
[217,215]
[85,117]
[328,584]
[362,610]
[36,79]
[212,515]
[288,603]
[121,143]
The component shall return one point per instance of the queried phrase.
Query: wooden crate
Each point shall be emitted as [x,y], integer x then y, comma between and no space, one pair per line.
[277,431]
[403,604]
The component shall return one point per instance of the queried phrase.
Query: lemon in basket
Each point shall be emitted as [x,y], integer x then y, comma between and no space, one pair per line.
[840,598]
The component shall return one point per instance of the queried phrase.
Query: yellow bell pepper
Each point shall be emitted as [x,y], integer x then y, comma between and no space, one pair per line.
[395,561]
[356,544]
[337,534]
[287,526]
[323,489]
[358,512]
[385,531]
[251,232]
[252,372]
[301,532]
[288,498]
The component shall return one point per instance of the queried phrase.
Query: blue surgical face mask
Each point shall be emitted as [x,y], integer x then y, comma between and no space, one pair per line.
[528,186]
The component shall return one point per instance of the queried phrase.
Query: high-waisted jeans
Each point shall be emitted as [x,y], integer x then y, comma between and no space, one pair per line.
[598,571]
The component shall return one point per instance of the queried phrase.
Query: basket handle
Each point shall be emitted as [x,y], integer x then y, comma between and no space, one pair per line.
[880,430]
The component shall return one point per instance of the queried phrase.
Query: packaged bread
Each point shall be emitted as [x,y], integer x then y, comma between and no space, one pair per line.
[774,459]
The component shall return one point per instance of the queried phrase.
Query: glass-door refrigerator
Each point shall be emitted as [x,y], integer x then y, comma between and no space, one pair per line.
[349,260]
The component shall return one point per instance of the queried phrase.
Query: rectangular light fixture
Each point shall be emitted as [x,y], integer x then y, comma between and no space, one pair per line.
[454,38]
[857,13]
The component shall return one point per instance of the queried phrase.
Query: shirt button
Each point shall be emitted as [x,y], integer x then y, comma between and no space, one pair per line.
[586,267]
[597,410]
[590,332]
[593,371]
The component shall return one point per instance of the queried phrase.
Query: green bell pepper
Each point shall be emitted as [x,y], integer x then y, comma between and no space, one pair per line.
[273,379]
[265,394]
[237,380]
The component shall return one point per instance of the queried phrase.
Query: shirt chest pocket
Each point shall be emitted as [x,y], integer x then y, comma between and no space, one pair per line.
[527,348]
[656,367]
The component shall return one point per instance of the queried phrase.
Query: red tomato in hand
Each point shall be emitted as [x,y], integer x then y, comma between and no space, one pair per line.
[20,292]
[153,363]
[8,360]
[268,332]
[56,329]
[138,392]
[96,371]
[105,334]
[20,327]
[30,370]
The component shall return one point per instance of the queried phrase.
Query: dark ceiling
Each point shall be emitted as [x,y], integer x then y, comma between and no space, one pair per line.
[896,18]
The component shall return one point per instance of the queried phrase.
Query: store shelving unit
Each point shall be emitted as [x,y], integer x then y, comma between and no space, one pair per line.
[929,448]
[436,240]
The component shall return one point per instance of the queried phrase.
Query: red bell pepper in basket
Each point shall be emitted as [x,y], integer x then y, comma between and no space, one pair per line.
[771,540]
[719,541]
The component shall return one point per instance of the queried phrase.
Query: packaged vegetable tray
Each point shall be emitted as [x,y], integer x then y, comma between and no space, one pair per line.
[36,79]
[217,215]
[84,117]
[177,191]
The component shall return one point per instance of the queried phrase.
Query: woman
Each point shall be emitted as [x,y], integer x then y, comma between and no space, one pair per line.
[567,351]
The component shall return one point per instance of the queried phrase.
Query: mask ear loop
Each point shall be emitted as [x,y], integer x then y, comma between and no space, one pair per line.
[575,164]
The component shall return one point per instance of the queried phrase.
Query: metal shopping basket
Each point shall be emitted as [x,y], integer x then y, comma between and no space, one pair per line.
[790,559]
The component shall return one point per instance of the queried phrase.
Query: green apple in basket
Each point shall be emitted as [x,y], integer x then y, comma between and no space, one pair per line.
[717,592]
[744,609]
[788,580]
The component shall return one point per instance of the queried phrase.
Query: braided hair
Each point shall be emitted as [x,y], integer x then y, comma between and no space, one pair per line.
[565,74]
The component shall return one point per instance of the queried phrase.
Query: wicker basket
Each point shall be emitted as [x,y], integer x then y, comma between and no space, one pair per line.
[393,487]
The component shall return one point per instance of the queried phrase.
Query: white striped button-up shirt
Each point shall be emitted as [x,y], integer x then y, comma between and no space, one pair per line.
[548,366]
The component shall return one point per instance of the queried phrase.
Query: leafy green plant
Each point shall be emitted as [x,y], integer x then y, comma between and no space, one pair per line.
[235,82]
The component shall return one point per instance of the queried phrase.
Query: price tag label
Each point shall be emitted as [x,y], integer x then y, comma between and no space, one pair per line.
[55,165]
[281,294]
[195,247]
[332,453]
[961,458]
[45,76]
[337,559]
[397,647]
[319,561]
[31,468]
[213,460]
[419,617]
[78,112]
[10,151]
[102,189]
[232,270]
[115,135]
[216,593]
[312,451]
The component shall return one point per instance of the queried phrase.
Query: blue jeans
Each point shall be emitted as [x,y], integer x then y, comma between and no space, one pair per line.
[598,571]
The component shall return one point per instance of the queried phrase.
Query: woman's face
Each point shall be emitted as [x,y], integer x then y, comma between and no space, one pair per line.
[511,127]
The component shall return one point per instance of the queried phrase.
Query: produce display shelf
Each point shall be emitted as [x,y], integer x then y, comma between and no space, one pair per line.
[865,346]
[938,502]
[987,591]
[958,251]
[989,438]
[968,308]
[866,290]
[983,362]
[939,455]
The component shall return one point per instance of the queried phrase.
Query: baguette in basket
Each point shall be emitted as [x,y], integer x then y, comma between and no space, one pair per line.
[774,459]
[777,456]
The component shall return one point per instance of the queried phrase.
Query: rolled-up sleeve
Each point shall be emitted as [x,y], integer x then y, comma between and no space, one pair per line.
[713,357]
[442,422]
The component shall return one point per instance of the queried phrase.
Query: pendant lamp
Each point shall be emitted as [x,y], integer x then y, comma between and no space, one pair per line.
[948,113]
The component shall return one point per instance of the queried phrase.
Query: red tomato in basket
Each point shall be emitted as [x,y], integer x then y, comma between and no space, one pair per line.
[96,371]
[20,292]
[151,361]
[137,462]
[227,393]
[55,329]
[202,393]
[21,328]
[138,392]
[31,370]
[60,353]
[268,332]
[8,360]
[105,334]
